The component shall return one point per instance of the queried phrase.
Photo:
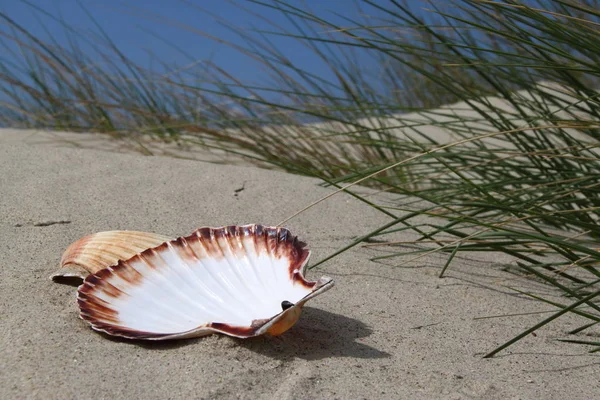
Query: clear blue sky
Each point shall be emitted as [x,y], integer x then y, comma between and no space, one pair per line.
[129,24]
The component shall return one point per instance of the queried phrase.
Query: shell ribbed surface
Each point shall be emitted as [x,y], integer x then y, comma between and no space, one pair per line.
[100,250]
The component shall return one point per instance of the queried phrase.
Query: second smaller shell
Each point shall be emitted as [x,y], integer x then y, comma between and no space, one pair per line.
[94,252]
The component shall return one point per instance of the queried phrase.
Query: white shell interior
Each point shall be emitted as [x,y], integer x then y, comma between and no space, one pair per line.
[181,295]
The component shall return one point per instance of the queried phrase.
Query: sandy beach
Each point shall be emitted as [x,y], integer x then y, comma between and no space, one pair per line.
[383,332]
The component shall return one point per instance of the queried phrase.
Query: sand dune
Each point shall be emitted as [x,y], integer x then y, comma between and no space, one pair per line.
[432,128]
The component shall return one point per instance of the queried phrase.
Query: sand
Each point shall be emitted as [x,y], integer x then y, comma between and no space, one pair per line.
[384,331]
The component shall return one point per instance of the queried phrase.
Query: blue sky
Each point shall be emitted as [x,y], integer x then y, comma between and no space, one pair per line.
[130,24]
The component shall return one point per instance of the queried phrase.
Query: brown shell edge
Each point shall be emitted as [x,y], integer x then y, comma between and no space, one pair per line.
[258,327]
[69,271]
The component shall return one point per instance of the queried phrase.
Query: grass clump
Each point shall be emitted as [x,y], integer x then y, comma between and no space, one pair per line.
[512,167]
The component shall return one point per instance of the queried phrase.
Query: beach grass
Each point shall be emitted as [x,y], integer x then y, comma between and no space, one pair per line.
[513,166]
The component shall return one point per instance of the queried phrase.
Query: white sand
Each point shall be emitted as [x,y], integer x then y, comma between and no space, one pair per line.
[382,332]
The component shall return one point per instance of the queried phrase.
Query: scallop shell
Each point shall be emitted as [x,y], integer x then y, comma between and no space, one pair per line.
[241,281]
[94,252]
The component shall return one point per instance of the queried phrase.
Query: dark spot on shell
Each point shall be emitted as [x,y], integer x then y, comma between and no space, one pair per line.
[286,304]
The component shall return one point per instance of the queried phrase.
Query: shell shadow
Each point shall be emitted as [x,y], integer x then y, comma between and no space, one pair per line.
[318,334]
